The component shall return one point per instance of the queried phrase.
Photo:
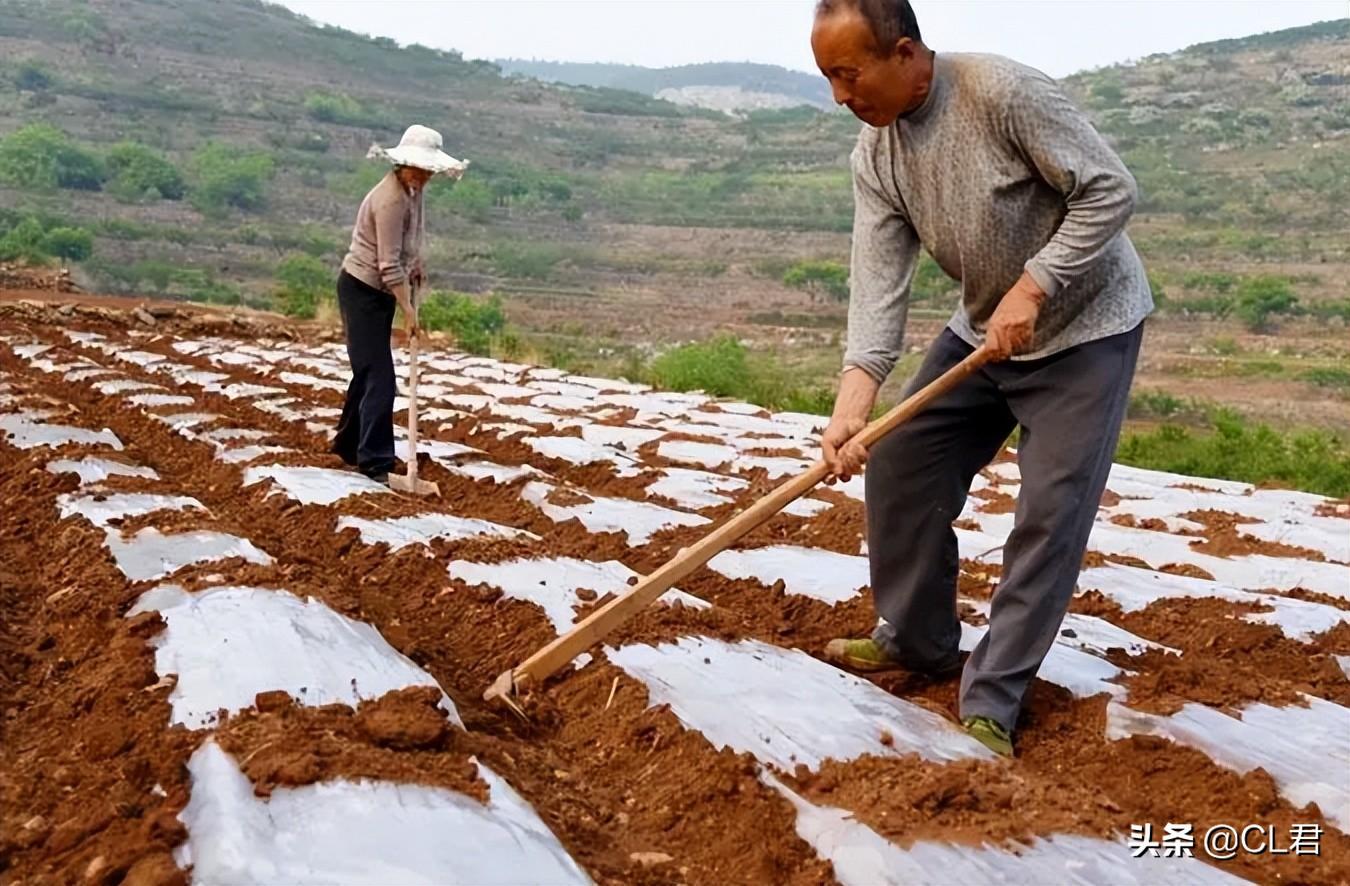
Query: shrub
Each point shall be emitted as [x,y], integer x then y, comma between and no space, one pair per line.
[31,76]
[717,367]
[474,322]
[224,176]
[305,282]
[827,277]
[138,173]
[25,241]
[68,244]
[42,157]
[533,260]
[333,108]
[1260,297]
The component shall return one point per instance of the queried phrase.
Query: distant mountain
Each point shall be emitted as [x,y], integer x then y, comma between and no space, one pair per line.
[721,86]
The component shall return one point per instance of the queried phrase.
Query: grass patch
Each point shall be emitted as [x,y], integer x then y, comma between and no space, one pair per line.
[724,367]
[797,321]
[1315,461]
[1327,377]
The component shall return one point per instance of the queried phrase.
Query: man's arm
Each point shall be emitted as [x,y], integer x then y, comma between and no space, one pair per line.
[885,254]
[1070,155]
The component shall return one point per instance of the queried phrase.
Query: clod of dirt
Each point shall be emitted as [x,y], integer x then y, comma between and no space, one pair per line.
[272,701]
[404,720]
[1189,570]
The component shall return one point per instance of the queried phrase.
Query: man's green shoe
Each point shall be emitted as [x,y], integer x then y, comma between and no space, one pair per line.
[990,734]
[861,655]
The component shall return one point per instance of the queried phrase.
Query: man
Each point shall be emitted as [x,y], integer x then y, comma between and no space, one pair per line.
[987,165]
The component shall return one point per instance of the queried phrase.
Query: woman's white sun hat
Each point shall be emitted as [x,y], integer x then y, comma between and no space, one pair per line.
[420,147]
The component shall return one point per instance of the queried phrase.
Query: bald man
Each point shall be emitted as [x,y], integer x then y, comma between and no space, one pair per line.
[988,166]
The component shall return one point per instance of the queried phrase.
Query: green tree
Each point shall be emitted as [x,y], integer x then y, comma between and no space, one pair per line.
[41,157]
[137,172]
[70,244]
[305,283]
[224,176]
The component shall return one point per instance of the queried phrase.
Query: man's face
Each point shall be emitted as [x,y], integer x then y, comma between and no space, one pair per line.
[876,84]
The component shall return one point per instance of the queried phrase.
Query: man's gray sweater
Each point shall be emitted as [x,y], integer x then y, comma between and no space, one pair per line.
[996,172]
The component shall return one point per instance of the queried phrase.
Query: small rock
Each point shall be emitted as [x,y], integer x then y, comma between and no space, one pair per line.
[95,868]
[887,739]
[157,869]
[66,309]
[34,832]
[144,316]
[650,859]
[586,594]
[272,700]
[1069,632]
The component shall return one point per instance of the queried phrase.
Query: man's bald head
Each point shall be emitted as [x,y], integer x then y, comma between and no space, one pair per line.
[889,20]
[873,56]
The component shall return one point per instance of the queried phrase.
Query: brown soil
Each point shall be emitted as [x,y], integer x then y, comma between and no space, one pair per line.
[1156,524]
[1189,570]
[1339,509]
[997,502]
[84,739]
[1313,597]
[1224,539]
[1226,662]
[616,780]
[1093,559]
[400,737]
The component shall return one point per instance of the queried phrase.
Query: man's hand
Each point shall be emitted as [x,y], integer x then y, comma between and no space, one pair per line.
[1013,324]
[844,457]
[857,396]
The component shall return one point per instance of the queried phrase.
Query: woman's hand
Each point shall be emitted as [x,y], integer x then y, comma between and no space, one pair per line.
[403,295]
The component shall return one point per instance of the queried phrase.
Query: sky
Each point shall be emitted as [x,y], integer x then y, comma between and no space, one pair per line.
[1057,36]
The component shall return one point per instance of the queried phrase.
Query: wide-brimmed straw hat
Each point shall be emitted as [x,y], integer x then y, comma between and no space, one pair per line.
[419,147]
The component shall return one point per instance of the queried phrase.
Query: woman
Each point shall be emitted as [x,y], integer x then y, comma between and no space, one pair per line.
[382,270]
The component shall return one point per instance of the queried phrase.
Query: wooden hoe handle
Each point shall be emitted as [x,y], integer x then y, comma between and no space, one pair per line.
[605,620]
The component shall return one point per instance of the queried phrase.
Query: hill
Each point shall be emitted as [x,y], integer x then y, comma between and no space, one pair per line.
[722,86]
[216,151]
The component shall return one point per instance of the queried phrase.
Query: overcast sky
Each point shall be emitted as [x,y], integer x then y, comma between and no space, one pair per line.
[1057,36]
